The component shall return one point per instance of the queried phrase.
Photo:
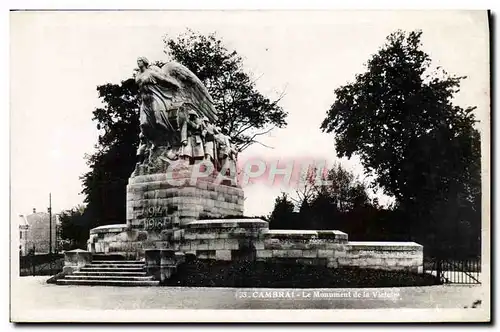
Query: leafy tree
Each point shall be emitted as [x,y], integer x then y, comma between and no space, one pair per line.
[322,206]
[398,117]
[346,191]
[307,188]
[113,162]
[244,115]
[74,228]
[283,216]
[328,207]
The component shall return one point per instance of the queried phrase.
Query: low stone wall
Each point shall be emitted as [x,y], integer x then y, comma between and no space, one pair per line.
[107,239]
[224,239]
[305,247]
[251,239]
[74,260]
[384,255]
[77,258]
[162,263]
[119,239]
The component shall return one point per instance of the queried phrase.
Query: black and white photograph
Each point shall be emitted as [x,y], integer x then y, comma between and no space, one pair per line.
[250,166]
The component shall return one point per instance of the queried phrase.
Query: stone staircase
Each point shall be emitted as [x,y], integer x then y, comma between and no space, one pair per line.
[110,273]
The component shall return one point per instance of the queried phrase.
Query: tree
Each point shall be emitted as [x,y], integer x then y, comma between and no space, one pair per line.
[331,204]
[346,191]
[105,184]
[74,228]
[319,205]
[283,216]
[307,188]
[398,117]
[244,115]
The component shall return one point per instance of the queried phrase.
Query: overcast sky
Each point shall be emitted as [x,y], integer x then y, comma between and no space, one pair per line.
[58,59]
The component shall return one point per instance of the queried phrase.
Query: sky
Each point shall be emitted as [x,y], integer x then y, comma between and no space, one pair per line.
[59,58]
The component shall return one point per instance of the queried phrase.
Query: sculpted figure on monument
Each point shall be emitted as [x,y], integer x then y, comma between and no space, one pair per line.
[157,94]
[208,135]
[222,147]
[232,159]
[192,144]
[173,102]
[226,153]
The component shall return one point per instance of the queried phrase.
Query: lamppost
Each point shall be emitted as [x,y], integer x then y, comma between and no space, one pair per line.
[50,224]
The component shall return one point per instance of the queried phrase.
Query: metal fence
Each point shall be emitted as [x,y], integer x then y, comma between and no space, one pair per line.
[41,264]
[455,271]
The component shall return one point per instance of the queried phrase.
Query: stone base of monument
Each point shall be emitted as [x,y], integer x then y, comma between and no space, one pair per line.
[181,213]
[120,240]
[180,197]
[252,240]
[161,264]
[224,239]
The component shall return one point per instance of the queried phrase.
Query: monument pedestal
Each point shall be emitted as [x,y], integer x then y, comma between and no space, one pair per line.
[165,201]
[161,205]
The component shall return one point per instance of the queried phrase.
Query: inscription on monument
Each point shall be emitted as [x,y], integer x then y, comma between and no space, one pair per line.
[155,224]
[156,218]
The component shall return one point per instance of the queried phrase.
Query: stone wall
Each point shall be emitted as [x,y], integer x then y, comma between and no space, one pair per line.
[224,239]
[384,255]
[251,239]
[108,239]
[304,247]
[122,240]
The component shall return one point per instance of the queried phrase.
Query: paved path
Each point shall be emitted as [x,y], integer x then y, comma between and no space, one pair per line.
[32,293]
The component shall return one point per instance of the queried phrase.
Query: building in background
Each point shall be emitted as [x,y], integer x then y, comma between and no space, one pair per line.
[34,233]
[23,236]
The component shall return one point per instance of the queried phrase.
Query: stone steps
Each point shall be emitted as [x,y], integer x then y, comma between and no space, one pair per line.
[117,262]
[111,269]
[110,273]
[93,282]
[108,277]
[116,273]
[114,266]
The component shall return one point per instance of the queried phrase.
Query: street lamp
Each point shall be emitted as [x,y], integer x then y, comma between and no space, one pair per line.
[50,223]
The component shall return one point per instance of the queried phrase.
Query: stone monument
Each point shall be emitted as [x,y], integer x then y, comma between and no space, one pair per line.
[183,196]
[186,167]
